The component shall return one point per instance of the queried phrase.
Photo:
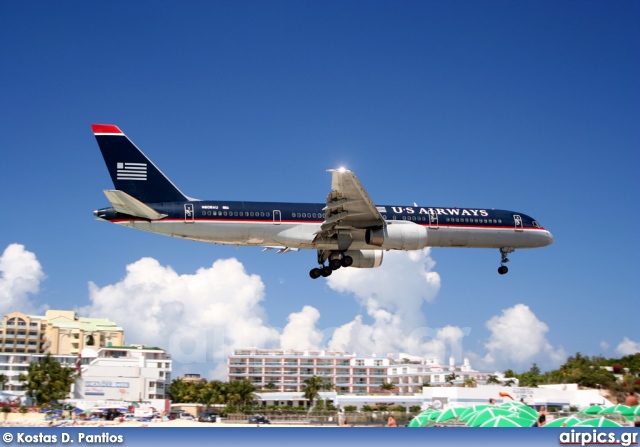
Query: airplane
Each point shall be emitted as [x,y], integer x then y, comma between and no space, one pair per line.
[348,230]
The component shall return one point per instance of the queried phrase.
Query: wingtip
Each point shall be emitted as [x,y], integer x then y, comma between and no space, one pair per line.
[106,129]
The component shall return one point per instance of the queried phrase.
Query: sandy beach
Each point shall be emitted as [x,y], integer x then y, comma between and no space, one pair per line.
[38,420]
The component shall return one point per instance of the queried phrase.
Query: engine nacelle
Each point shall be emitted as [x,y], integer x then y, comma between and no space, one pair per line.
[365,259]
[398,236]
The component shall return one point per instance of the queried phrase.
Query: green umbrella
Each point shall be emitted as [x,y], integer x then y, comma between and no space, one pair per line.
[632,411]
[568,421]
[421,419]
[434,415]
[600,422]
[507,421]
[483,416]
[520,408]
[615,409]
[450,413]
[470,411]
[593,409]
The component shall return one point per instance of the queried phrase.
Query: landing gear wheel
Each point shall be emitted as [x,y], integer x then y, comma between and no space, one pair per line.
[326,271]
[335,264]
[347,261]
[315,273]
[503,269]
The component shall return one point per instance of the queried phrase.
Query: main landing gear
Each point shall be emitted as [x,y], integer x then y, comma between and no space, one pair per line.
[504,251]
[336,261]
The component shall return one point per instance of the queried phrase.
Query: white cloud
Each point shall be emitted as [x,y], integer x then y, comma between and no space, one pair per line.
[392,296]
[198,317]
[628,347]
[518,339]
[604,345]
[20,277]
[301,333]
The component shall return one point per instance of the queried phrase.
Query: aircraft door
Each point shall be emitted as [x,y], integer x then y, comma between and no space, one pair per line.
[433,218]
[189,215]
[517,219]
[277,217]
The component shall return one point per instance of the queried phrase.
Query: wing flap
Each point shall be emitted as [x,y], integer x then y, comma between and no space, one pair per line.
[125,204]
[348,205]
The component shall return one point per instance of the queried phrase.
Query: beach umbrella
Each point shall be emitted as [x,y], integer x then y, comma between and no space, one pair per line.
[57,411]
[632,411]
[470,411]
[593,409]
[434,415]
[421,420]
[599,422]
[450,413]
[568,421]
[507,421]
[521,409]
[615,409]
[483,416]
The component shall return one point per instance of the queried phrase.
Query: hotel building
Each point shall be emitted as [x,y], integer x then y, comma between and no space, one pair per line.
[58,332]
[287,370]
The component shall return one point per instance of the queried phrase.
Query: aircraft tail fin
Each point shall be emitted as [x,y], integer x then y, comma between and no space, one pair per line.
[131,171]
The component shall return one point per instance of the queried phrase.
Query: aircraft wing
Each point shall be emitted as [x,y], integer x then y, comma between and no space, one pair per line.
[124,203]
[349,207]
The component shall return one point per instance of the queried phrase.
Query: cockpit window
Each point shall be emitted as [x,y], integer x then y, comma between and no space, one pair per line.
[536,224]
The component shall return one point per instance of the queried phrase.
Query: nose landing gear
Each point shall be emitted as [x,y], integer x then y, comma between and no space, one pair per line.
[504,251]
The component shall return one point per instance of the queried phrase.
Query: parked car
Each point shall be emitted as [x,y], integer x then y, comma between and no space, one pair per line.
[208,416]
[259,420]
[180,415]
[128,417]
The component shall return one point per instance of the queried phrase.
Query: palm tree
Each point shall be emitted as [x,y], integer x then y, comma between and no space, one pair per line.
[3,380]
[312,387]
[470,382]
[240,393]
[493,379]
[47,381]
[388,386]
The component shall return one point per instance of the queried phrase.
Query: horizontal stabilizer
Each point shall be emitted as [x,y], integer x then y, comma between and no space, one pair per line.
[125,204]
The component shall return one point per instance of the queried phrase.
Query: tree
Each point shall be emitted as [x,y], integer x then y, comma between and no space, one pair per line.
[47,381]
[313,386]
[3,380]
[492,379]
[240,393]
[451,378]
[388,386]
[470,382]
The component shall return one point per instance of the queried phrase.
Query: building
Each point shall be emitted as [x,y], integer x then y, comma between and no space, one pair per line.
[193,378]
[124,373]
[58,332]
[286,371]
[94,347]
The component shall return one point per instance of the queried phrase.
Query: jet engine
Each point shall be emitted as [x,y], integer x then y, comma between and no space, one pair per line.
[400,235]
[366,259]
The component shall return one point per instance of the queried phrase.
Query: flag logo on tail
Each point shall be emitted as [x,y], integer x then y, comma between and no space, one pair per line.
[132,171]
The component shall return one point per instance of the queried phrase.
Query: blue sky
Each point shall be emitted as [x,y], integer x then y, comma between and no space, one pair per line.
[525,106]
